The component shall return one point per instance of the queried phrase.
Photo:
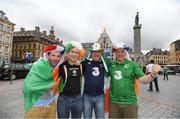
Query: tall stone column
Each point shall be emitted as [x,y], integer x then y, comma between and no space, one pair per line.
[137,35]
[137,56]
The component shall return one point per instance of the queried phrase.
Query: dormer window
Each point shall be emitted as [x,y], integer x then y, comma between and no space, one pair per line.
[2,15]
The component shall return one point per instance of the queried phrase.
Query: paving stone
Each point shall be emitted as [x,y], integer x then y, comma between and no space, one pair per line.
[151,104]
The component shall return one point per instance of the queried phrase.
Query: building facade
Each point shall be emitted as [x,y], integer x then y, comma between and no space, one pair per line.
[87,46]
[175,52]
[106,43]
[28,45]
[159,56]
[6,38]
[104,40]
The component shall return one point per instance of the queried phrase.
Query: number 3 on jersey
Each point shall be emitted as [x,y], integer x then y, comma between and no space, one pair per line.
[95,71]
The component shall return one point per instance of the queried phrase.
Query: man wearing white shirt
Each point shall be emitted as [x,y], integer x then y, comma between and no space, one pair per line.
[155,80]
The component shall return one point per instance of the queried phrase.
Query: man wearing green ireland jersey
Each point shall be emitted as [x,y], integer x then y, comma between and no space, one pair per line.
[123,101]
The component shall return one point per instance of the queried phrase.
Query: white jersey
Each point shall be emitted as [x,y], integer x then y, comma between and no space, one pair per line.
[149,68]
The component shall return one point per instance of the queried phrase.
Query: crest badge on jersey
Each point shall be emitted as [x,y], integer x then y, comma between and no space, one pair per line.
[117,75]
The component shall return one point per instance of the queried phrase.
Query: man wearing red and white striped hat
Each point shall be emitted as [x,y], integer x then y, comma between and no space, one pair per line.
[40,85]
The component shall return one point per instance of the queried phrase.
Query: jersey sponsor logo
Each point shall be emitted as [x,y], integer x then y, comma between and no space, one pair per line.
[95,71]
[126,66]
[117,75]
[74,72]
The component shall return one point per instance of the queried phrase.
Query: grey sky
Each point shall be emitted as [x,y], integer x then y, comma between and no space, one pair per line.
[84,20]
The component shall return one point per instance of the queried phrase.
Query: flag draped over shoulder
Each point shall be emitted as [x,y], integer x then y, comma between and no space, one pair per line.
[38,80]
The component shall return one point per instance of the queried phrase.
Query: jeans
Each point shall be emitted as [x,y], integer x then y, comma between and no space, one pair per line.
[67,104]
[165,76]
[155,80]
[96,103]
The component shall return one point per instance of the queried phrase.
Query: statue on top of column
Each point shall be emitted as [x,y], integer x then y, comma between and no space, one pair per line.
[137,19]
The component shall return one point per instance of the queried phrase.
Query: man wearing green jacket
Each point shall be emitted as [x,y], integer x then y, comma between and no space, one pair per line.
[123,72]
[165,72]
[40,85]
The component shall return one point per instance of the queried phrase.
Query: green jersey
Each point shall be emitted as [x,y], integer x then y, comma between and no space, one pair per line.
[122,90]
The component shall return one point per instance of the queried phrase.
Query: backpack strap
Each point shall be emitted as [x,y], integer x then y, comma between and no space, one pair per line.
[81,69]
[65,72]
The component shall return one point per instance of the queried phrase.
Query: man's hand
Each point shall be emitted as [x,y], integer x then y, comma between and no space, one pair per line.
[155,69]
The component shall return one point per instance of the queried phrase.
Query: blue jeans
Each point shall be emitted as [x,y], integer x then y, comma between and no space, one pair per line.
[96,103]
[67,104]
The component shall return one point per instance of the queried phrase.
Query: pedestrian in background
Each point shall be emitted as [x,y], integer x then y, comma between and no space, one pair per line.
[41,83]
[149,68]
[165,72]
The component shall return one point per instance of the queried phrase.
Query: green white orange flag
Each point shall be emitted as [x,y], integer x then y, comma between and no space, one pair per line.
[37,82]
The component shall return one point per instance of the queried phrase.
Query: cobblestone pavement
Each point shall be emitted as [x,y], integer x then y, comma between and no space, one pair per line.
[163,104]
[11,99]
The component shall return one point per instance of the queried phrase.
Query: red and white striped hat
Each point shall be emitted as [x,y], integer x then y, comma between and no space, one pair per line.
[54,48]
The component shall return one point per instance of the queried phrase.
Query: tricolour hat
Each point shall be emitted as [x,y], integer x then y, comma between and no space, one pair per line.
[75,44]
[52,48]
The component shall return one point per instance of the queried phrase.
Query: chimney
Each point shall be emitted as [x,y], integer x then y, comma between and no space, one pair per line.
[22,29]
[37,28]
[44,32]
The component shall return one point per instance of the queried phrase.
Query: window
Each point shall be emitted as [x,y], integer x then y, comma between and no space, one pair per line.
[0,48]
[7,39]
[29,46]
[1,26]
[34,46]
[16,46]
[8,29]
[1,37]
[6,49]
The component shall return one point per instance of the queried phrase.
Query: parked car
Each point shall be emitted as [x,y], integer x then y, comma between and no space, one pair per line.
[18,71]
